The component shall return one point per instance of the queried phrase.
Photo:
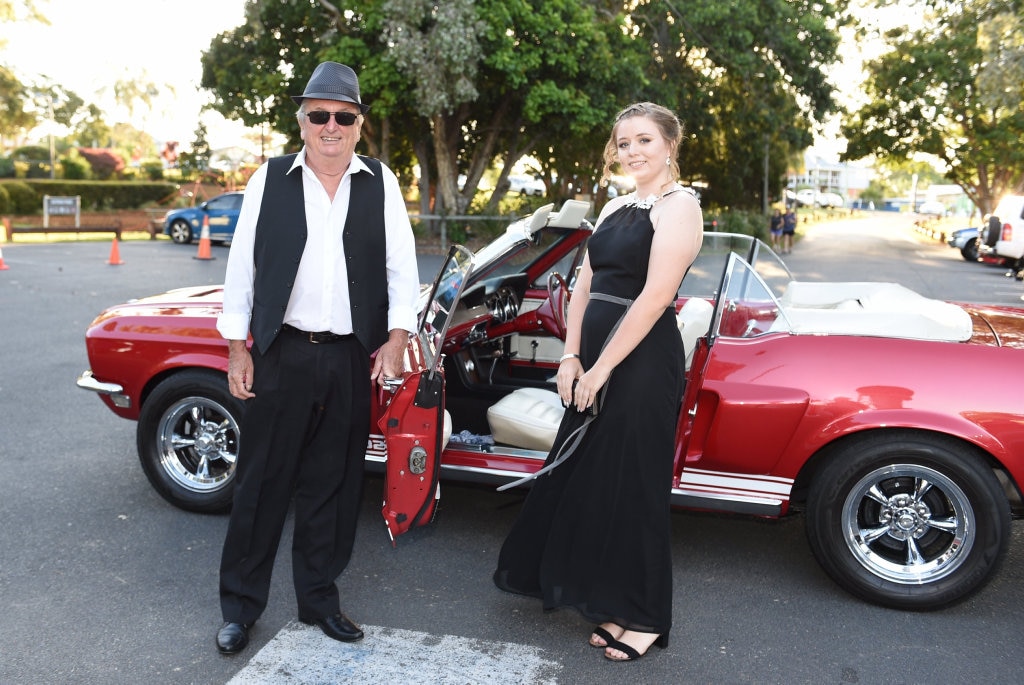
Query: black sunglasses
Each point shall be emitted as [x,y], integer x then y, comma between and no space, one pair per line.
[320,117]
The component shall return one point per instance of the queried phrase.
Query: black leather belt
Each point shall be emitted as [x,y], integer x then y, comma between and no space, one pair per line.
[316,337]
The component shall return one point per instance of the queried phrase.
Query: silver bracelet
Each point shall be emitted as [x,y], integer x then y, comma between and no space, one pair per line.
[568,356]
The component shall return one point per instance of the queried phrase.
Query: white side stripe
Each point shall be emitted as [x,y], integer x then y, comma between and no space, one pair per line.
[716,480]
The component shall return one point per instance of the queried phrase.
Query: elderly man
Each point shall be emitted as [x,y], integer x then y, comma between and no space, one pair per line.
[322,274]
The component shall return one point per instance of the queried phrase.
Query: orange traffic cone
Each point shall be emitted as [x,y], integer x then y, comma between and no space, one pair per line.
[3,267]
[115,254]
[204,241]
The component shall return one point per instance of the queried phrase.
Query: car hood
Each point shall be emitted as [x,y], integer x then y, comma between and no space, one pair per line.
[194,301]
[192,295]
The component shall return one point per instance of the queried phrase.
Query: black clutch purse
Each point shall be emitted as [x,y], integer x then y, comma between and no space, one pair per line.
[595,406]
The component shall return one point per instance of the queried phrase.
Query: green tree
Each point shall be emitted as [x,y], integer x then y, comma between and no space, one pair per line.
[747,78]
[559,73]
[953,89]
[13,116]
[437,48]
[12,11]
[197,160]
[91,130]
[135,89]
[544,78]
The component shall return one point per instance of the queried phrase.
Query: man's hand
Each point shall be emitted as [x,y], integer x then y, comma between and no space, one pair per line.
[239,370]
[390,359]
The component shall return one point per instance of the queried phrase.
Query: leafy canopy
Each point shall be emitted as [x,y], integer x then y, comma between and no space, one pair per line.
[460,88]
[953,89]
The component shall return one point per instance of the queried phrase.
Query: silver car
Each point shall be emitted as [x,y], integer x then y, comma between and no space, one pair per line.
[965,240]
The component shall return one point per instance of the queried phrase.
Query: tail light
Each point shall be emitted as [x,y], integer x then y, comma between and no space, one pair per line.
[1007,232]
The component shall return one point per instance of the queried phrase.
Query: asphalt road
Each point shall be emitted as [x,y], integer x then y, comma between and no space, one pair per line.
[101,581]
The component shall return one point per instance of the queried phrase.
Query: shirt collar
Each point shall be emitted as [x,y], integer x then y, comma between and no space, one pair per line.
[355,166]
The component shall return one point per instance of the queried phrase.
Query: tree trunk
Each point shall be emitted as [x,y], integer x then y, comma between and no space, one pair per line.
[447,171]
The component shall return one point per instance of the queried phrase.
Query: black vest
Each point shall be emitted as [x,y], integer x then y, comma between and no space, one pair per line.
[281,240]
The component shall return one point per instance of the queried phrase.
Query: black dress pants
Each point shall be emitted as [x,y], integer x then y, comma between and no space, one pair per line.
[305,434]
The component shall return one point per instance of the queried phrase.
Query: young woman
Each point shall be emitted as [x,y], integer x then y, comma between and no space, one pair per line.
[594,532]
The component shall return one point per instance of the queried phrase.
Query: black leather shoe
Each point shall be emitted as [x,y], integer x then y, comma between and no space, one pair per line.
[336,627]
[232,637]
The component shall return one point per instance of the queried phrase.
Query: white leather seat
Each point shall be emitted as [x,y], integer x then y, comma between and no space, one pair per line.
[527,418]
[693,321]
[446,429]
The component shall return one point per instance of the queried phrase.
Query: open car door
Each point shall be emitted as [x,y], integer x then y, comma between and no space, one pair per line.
[413,423]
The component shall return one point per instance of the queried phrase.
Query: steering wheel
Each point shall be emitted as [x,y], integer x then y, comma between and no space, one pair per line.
[558,294]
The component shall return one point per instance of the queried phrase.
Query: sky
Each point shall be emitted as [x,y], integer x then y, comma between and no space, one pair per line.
[91,44]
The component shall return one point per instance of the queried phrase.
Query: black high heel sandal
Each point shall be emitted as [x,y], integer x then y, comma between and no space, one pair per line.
[631,653]
[603,634]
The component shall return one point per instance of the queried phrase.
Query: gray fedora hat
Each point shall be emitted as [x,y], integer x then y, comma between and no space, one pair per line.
[333,81]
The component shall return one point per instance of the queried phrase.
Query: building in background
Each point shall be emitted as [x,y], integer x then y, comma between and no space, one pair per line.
[846,179]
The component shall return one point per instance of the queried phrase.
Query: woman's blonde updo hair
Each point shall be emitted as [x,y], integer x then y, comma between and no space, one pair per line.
[666,121]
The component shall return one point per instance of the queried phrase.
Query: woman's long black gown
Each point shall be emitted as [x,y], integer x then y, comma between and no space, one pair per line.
[594,533]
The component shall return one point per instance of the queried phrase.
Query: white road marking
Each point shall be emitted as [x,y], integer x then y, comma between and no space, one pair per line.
[301,654]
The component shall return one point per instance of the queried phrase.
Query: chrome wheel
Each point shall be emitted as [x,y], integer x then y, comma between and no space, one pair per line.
[188,439]
[198,443]
[908,519]
[908,524]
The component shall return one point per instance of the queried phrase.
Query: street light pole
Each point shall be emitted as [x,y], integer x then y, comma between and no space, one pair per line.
[53,161]
[764,190]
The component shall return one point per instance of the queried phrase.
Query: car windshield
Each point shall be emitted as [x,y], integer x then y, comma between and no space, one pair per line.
[704,279]
[515,252]
[750,307]
[750,274]
[435,316]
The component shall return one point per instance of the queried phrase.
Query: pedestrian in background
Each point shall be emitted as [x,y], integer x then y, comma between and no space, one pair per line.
[322,273]
[788,230]
[775,228]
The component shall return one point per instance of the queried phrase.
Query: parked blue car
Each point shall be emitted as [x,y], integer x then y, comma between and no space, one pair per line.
[185,225]
[965,240]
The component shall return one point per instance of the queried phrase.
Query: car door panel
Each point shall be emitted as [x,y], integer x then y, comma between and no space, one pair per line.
[412,425]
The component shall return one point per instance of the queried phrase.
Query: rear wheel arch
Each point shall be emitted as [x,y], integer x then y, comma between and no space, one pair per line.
[817,461]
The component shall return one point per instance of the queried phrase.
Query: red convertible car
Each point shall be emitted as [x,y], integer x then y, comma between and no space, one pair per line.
[837,400]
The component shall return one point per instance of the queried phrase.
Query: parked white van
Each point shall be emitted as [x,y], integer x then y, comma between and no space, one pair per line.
[1003,236]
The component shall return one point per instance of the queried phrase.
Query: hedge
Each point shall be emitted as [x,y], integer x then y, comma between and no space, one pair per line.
[26,195]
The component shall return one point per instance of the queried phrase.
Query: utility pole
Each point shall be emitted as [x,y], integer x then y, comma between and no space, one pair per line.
[764,190]
[53,156]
